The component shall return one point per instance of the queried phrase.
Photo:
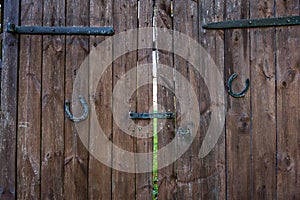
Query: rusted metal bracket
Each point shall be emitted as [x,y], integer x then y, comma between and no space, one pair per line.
[254,23]
[58,30]
[167,115]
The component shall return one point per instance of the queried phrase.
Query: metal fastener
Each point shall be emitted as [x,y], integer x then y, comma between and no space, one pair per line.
[58,30]
[254,23]
[167,115]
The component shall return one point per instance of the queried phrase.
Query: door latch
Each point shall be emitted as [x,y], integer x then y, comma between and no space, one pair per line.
[167,115]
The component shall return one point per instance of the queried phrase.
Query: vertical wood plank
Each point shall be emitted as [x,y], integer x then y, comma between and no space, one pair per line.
[53,73]
[185,20]
[76,155]
[263,101]
[124,18]
[100,176]
[29,119]
[212,180]
[288,103]
[165,100]
[144,103]
[238,116]
[8,109]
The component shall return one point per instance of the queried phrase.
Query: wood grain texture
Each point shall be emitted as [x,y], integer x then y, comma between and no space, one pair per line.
[185,20]
[8,109]
[288,100]
[165,100]
[100,176]
[238,110]
[53,72]
[212,179]
[29,119]
[263,104]
[75,154]
[144,103]
[42,157]
[124,18]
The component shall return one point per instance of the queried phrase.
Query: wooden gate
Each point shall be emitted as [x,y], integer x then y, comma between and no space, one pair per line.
[257,155]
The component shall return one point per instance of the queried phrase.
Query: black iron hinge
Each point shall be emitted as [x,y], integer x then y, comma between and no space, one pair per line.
[59,30]
[254,23]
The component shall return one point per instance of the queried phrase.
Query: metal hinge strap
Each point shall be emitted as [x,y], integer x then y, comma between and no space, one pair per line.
[59,30]
[254,23]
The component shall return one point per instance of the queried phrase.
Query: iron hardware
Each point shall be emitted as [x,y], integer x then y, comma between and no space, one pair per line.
[167,115]
[59,30]
[240,94]
[254,23]
[85,110]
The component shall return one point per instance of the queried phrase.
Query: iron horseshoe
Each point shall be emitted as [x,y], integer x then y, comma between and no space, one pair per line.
[240,94]
[84,114]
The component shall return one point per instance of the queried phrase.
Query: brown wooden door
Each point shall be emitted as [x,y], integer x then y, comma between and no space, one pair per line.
[256,156]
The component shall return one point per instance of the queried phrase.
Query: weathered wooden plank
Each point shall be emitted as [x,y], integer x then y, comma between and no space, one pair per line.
[144,103]
[8,109]
[29,119]
[211,172]
[238,116]
[76,155]
[185,20]
[165,100]
[53,72]
[288,103]
[263,104]
[124,18]
[100,176]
